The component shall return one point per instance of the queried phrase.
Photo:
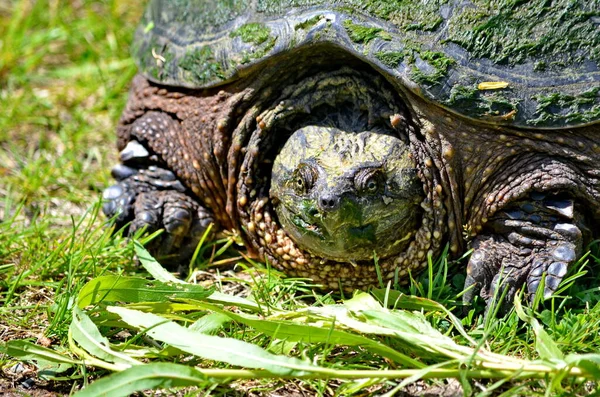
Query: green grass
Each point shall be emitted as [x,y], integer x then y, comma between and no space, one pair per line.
[64,74]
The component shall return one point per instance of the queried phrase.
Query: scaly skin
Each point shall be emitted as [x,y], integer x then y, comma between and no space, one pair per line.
[502,186]
[346,196]
[230,183]
[220,147]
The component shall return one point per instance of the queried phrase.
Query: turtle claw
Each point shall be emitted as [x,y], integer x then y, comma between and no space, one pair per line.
[168,210]
[120,172]
[134,152]
[494,270]
[552,269]
[151,199]
[117,202]
[512,274]
[526,247]
[477,274]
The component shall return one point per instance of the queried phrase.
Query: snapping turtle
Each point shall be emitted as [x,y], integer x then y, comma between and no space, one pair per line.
[327,133]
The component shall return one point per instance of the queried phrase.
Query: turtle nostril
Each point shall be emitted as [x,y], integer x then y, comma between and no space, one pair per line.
[329,202]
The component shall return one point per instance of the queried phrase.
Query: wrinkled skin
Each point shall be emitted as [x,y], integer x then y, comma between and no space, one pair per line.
[524,200]
[346,196]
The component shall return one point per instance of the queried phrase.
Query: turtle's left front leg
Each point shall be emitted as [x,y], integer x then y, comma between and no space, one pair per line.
[526,243]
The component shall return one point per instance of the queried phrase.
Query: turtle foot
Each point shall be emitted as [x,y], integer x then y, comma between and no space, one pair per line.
[533,245]
[152,198]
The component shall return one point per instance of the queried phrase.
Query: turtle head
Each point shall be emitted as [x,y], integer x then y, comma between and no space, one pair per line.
[346,196]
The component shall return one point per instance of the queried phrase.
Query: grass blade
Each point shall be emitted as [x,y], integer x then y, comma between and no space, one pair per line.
[143,377]
[544,345]
[317,332]
[134,289]
[28,351]
[229,350]
[153,267]
[87,335]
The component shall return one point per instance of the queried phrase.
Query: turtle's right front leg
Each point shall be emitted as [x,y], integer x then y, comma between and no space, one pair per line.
[148,195]
[532,242]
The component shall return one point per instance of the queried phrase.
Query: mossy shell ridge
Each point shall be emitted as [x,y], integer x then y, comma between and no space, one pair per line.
[533,64]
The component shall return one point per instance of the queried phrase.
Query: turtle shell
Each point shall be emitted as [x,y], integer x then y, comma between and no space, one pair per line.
[531,64]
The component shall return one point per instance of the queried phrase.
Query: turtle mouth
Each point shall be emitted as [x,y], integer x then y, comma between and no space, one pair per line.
[309,228]
[360,232]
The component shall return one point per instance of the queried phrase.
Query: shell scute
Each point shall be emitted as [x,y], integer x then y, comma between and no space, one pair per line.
[548,54]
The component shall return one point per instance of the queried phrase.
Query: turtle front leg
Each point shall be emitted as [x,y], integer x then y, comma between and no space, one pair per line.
[523,244]
[149,196]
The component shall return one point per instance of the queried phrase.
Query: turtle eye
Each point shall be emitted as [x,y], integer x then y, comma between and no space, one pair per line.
[304,178]
[369,181]
[371,186]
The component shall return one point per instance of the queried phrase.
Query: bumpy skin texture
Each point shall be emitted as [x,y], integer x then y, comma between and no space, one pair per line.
[525,200]
[451,80]
[221,145]
[346,196]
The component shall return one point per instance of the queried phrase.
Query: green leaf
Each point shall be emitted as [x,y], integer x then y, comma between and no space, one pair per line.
[318,332]
[160,307]
[231,300]
[229,350]
[49,364]
[362,301]
[153,267]
[210,324]
[132,289]
[398,300]
[143,377]
[364,314]
[544,345]
[28,351]
[588,362]
[135,289]
[87,335]
[415,330]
